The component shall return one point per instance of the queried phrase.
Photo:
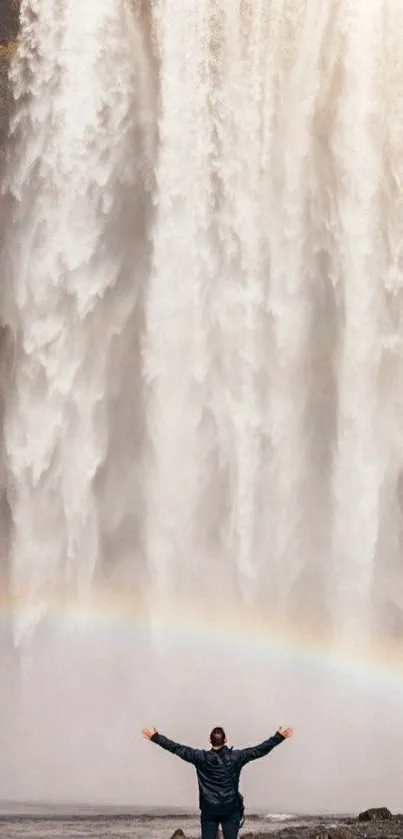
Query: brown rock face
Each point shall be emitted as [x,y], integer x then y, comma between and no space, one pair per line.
[9,17]
[5,94]
[9,20]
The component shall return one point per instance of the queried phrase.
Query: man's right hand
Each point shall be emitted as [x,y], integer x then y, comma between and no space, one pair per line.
[286,732]
[148,733]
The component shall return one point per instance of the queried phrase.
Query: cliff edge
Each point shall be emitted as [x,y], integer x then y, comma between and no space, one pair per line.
[9,20]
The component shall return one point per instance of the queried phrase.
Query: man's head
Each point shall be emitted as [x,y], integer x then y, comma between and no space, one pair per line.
[217,737]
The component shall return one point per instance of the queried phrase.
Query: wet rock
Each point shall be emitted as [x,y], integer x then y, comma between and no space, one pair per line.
[179,834]
[333,833]
[375,814]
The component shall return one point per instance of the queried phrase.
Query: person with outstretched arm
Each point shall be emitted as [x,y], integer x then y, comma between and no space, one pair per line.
[218,770]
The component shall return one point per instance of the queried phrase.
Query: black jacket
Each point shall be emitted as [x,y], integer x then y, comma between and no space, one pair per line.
[218,784]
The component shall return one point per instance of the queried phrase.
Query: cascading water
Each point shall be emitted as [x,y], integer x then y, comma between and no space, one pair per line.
[203,292]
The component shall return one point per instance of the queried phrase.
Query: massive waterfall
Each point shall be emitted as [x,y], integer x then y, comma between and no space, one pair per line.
[202,373]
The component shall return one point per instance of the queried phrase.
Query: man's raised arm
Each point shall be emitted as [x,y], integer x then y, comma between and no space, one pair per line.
[194,756]
[263,749]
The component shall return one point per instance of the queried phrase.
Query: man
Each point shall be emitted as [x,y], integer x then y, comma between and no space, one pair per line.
[218,772]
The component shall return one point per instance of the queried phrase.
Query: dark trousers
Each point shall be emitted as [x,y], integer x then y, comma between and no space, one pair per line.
[229,824]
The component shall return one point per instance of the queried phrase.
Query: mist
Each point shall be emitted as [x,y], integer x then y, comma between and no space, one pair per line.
[202,390]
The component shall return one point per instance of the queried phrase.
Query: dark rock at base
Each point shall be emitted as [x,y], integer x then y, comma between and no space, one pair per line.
[179,834]
[375,814]
[333,833]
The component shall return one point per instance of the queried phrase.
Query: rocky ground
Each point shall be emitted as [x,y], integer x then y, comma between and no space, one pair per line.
[373,824]
[339,830]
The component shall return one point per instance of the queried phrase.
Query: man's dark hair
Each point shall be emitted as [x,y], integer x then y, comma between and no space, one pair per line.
[217,736]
